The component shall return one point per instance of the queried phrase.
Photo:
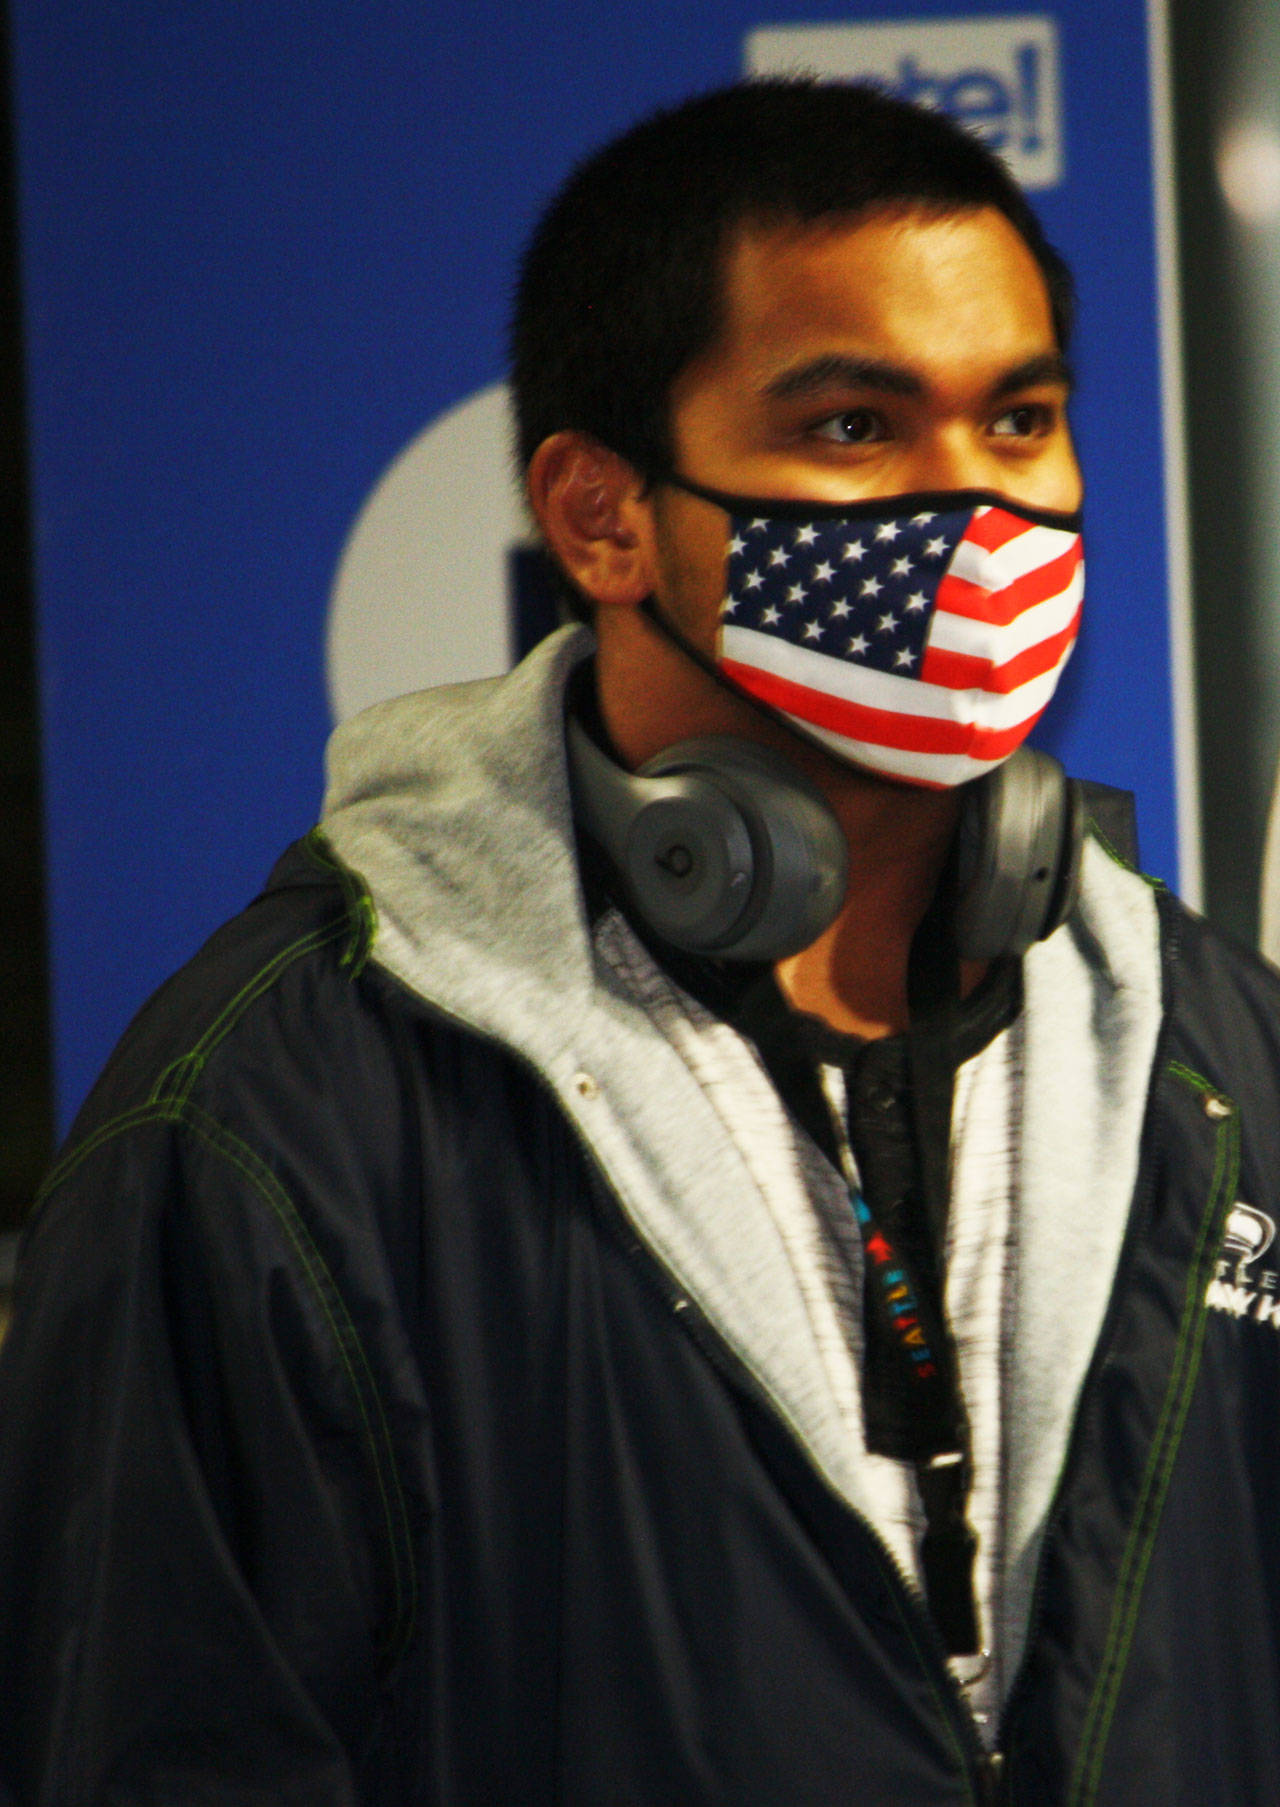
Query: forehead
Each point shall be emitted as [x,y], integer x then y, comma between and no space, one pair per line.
[906,285]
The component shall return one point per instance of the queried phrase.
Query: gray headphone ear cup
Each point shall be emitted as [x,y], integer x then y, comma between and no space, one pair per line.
[689,862]
[1018,856]
[799,854]
[678,844]
[724,847]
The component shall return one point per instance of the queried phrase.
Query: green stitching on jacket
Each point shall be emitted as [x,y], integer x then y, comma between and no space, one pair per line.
[1164,1449]
[357,924]
[1091,828]
[114,1126]
[360,907]
[1112,853]
[350,1348]
[184,1071]
[170,1101]
[1196,1081]
[891,1568]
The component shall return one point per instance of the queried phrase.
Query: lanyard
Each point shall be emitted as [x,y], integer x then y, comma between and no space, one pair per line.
[926,1368]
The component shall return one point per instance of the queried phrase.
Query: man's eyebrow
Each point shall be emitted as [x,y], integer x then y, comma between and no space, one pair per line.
[1048,367]
[837,371]
[845,372]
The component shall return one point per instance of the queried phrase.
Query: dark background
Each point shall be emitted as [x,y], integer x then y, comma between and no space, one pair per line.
[26,1104]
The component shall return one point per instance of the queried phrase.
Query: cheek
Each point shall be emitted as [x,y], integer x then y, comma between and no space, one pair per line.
[691,578]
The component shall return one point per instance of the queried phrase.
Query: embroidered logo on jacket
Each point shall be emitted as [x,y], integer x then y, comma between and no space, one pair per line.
[1239,1286]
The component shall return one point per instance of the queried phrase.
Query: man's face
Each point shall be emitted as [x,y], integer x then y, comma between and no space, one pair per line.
[902,353]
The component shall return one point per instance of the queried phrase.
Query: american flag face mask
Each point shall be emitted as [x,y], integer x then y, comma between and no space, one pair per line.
[920,636]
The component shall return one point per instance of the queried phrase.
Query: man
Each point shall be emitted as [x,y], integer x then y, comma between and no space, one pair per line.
[481,1346]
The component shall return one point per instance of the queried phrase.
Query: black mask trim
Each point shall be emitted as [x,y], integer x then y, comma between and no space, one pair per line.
[934,501]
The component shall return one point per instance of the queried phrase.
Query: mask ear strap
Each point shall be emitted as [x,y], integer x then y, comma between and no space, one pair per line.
[671,633]
[649,609]
[717,497]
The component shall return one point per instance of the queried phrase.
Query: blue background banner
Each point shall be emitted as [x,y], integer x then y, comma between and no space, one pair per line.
[264,248]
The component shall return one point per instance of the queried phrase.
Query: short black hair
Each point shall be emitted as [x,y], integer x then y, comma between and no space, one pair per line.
[620,289]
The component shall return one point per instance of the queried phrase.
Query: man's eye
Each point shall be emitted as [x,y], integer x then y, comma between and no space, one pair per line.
[1029,420]
[856,426]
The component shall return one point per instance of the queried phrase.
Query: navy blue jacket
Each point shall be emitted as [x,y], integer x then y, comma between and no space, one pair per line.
[352,1448]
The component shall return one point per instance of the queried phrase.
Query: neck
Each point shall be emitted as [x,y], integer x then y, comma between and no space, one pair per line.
[854,977]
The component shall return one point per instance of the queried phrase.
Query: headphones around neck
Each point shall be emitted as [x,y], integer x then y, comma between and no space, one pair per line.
[726,849]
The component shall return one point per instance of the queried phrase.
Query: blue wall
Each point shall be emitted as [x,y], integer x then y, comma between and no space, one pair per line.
[264,246]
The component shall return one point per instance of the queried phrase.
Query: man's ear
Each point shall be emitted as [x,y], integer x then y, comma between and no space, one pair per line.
[590,505]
